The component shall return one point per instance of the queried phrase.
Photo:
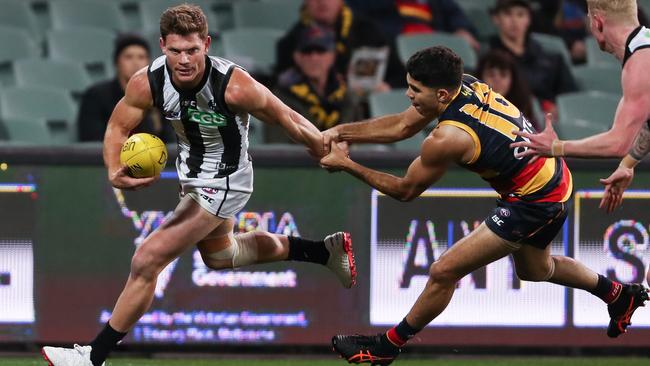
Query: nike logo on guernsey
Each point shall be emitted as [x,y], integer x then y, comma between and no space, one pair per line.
[206,118]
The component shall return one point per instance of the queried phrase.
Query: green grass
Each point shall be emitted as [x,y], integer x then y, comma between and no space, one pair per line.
[434,361]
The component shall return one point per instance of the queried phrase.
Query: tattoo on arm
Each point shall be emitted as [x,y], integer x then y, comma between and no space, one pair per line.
[641,145]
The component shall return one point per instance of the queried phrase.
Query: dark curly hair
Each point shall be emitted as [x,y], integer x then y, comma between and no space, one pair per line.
[436,67]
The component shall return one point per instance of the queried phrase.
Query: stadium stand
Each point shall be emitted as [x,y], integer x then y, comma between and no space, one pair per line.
[91,46]
[605,78]
[87,13]
[407,44]
[253,48]
[55,108]
[66,75]
[278,14]
[583,114]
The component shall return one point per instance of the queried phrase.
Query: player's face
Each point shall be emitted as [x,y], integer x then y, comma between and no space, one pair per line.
[130,60]
[185,56]
[424,99]
[314,63]
[324,11]
[498,79]
[513,22]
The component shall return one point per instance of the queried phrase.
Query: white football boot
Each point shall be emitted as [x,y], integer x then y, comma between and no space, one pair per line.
[75,356]
[341,260]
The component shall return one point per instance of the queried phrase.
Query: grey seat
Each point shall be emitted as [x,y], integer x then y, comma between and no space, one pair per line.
[408,44]
[53,106]
[585,111]
[596,57]
[87,13]
[253,48]
[93,47]
[16,44]
[27,130]
[17,13]
[605,78]
[65,75]
[151,10]
[276,14]
[553,44]
[391,102]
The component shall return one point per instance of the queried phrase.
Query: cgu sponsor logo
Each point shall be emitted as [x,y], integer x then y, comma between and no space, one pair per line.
[206,118]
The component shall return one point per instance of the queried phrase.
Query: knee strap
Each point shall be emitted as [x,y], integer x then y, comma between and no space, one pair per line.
[241,251]
[551,271]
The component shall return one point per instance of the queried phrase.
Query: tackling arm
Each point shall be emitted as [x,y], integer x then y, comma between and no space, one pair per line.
[384,129]
[446,145]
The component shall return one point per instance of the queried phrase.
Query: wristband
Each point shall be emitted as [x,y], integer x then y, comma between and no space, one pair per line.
[628,162]
[557,148]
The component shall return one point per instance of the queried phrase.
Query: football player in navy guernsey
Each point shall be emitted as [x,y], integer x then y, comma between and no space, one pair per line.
[208,101]
[475,130]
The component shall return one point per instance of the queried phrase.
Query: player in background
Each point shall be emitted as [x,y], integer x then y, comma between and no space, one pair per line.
[208,101]
[475,131]
[615,26]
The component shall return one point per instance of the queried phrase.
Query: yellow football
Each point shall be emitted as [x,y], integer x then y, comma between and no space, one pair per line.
[144,154]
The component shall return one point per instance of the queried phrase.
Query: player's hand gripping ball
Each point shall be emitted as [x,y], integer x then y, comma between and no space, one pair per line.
[144,154]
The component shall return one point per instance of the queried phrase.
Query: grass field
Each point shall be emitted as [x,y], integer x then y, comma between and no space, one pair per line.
[435,361]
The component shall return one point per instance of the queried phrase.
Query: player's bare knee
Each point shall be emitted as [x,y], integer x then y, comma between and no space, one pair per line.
[441,273]
[145,265]
[538,273]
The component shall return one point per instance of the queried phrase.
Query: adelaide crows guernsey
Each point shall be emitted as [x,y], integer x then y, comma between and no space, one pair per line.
[490,119]
[212,140]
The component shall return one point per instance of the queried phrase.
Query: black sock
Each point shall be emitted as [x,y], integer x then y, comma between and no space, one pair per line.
[607,290]
[400,334]
[306,250]
[104,343]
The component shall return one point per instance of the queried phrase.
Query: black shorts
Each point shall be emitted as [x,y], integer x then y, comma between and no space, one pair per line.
[531,223]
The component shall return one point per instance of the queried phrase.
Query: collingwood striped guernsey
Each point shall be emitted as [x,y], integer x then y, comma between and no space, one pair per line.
[212,140]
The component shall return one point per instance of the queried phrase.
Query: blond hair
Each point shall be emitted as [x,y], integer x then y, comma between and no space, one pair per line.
[625,10]
[184,20]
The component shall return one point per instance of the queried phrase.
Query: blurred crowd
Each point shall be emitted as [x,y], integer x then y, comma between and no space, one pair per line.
[338,53]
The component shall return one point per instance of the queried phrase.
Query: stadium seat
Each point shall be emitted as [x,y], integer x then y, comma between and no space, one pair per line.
[87,13]
[645,5]
[91,46]
[596,57]
[17,13]
[151,10]
[153,39]
[484,5]
[394,101]
[553,44]
[55,107]
[585,111]
[409,44]
[255,132]
[252,48]
[482,21]
[276,14]
[29,130]
[66,75]
[16,44]
[605,78]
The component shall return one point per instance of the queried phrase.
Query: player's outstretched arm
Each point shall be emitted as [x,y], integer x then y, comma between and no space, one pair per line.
[127,115]
[384,129]
[446,145]
[622,177]
[632,112]
[245,95]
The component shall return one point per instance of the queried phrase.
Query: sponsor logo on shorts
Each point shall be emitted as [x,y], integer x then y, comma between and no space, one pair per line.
[209,190]
[504,212]
[497,220]
[207,198]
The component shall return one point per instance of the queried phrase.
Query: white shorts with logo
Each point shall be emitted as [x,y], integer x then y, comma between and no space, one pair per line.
[222,197]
